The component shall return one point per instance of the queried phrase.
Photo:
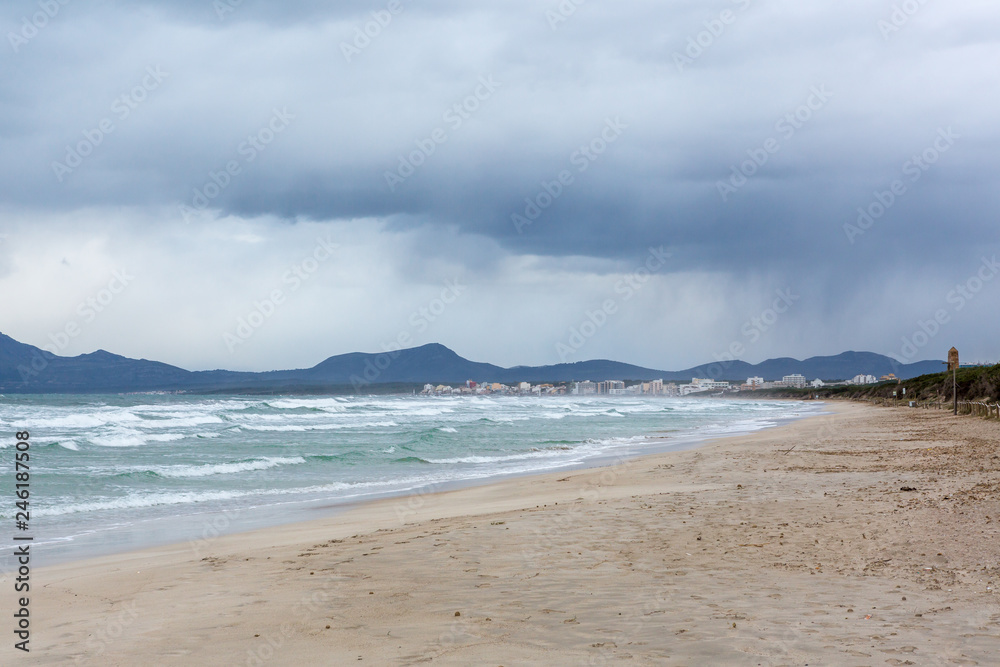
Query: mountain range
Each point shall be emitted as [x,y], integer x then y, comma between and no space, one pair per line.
[26,369]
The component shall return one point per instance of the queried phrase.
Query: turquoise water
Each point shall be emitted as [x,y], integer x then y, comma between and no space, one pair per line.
[111,473]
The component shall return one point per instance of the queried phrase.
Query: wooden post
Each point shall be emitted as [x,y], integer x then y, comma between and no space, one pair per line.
[953,367]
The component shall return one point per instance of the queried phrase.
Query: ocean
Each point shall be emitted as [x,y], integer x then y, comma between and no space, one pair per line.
[114,473]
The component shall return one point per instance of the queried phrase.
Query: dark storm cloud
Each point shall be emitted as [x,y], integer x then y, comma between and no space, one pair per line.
[695,89]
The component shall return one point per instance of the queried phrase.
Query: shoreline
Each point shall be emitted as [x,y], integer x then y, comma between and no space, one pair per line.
[163,532]
[790,543]
[405,503]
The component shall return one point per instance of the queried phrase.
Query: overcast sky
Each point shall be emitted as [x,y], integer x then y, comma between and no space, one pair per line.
[255,185]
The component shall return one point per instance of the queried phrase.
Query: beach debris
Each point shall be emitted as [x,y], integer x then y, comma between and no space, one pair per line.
[458,613]
[907,488]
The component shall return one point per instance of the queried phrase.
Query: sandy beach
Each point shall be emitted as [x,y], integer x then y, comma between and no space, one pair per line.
[796,545]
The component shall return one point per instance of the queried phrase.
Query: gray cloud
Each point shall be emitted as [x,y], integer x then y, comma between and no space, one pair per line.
[351,119]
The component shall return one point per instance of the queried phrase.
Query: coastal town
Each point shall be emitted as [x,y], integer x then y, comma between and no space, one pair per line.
[651,388]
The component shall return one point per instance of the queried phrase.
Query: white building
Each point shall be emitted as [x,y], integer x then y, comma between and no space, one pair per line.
[755,382]
[709,384]
[864,379]
[795,380]
[817,383]
[699,385]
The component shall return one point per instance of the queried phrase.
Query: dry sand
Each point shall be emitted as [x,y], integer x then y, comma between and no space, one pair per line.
[792,546]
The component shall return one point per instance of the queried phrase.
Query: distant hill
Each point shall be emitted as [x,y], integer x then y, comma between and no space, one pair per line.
[843,366]
[28,369]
